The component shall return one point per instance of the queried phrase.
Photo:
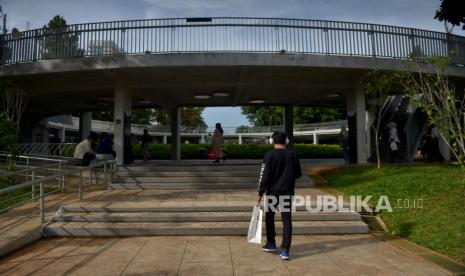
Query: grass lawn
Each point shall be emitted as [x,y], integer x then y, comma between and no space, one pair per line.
[439,224]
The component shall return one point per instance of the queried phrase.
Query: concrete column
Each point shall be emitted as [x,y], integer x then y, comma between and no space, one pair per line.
[122,124]
[85,124]
[165,139]
[202,139]
[62,134]
[356,106]
[289,123]
[176,133]
[240,139]
[315,137]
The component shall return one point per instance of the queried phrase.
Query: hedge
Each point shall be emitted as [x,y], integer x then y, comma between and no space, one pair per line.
[200,151]
[196,151]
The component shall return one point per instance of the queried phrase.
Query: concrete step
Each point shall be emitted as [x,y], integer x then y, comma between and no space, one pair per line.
[192,179]
[187,174]
[145,207]
[193,228]
[198,216]
[193,186]
[199,168]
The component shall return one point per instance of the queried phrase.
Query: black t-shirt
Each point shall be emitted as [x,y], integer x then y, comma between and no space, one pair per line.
[280,169]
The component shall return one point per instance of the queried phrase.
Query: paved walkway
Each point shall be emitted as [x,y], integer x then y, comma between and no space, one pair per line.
[311,255]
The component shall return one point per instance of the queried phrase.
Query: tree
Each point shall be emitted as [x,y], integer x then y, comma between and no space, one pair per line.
[273,115]
[378,85]
[190,116]
[13,100]
[59,40]
[451,12]
[443,104]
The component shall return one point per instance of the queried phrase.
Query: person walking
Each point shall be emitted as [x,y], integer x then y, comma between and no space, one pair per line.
[393,142]
[279,170]
[217,142]
[432,138]
[145,143]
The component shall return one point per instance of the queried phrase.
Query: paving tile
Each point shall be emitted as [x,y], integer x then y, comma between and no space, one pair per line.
[8,266]
[122,250]
[211,249]
[162,249]
[206,269]
[100,268]
[164,268]
[275,268]
[244,252]
[28,267]
[308,266]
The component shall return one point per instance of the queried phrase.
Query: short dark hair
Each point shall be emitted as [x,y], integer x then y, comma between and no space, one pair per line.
[279,137]
[92,136]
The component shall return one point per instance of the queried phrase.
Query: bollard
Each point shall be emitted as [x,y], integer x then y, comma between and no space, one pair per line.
[33,187]
[80,185]
[42,202]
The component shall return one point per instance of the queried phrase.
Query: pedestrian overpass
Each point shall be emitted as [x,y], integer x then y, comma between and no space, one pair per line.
[213,62]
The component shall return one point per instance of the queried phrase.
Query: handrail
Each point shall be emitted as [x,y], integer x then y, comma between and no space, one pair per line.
[61,177]
[51,177]
[34,157]
[228,34]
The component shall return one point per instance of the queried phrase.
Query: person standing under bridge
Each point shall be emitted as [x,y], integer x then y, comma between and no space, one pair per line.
[217,142]
[280,169]
[145,143]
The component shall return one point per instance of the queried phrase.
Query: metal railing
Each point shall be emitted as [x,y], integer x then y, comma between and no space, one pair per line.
[228,34]
[47,149]
[62,176]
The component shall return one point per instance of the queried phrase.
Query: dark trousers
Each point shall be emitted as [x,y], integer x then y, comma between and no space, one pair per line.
[270,210]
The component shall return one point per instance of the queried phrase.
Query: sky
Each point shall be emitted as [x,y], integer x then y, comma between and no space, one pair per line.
[31,14]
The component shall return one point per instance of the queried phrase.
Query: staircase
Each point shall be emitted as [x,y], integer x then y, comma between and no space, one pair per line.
[188,199]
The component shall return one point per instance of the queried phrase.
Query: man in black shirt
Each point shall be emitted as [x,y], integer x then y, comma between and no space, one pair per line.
[280,169]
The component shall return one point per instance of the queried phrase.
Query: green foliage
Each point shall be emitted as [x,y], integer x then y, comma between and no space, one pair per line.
[12,104]
[439,225]
[59,40]
[451,11]
[273,115]
[198,151]
[377,86]
[190,116]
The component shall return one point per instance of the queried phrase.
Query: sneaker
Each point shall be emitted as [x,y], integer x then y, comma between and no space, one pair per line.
[284,254]
[269,247]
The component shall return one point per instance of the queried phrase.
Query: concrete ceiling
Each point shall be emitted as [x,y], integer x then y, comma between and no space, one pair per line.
[71,85]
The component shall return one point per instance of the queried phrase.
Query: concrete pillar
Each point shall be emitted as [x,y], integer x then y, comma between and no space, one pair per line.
[289,123]
[165,139]
[62,134]
[122,124]
[176,133]
[239,139]
[356,106]
[202,139]
[315,137]
[85,124]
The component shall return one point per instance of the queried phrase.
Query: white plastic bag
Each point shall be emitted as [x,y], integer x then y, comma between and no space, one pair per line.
[255,228]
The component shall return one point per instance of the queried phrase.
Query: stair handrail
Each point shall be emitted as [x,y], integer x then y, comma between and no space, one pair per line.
[109,168]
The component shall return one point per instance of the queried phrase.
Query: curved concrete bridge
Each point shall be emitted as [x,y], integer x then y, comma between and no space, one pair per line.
[213,62]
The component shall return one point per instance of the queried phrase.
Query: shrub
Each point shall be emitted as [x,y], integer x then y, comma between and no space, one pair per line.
[200,151]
